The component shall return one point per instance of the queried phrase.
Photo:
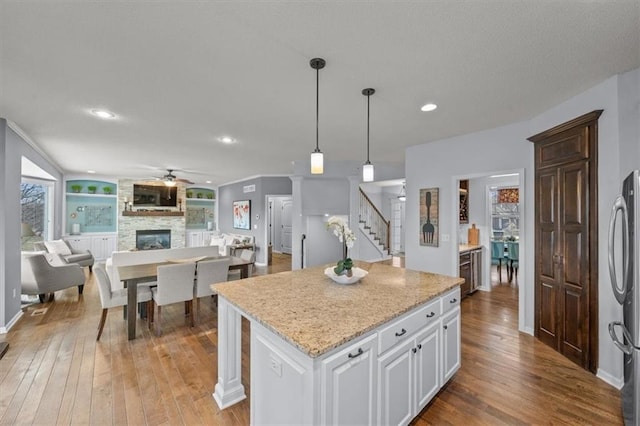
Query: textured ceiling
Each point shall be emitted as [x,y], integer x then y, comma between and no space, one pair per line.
[181,74]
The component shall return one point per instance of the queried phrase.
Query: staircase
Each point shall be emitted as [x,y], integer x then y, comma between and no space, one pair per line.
[374,224]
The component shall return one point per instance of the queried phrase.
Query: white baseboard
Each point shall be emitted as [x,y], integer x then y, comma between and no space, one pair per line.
[616,382]
[14,320]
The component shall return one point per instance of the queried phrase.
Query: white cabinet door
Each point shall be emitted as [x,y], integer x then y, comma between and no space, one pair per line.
[395,378]
[349,384]
[102,246]
[194,238]
[450,344]
[80,243]
[427,374]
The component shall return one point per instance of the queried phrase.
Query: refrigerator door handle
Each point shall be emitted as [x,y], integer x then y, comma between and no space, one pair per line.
[628,348]
[619,292]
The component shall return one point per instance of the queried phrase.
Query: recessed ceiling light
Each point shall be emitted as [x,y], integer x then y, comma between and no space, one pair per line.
[91,171]
[226,139]
[102,113]
[208,181]
[429,107]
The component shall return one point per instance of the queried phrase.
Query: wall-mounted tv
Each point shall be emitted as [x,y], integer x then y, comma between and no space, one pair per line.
[155,196]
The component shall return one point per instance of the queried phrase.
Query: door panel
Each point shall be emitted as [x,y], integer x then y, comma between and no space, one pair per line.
[574,261]
[547,326]
[286,230]
[573,328]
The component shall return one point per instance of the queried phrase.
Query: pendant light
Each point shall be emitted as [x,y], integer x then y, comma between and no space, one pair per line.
[317,159]
[367,168]
[403,193]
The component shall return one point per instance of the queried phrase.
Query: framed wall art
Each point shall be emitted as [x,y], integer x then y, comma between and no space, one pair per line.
[429,221]
[242,214]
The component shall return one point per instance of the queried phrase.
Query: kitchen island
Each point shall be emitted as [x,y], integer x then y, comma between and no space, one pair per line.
[323,353]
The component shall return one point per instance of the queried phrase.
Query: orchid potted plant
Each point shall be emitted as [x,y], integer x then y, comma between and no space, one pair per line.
[347,238]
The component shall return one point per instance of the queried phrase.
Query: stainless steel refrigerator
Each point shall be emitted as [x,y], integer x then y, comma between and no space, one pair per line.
[625,280]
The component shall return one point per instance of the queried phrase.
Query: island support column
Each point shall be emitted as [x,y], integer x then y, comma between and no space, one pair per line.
[229,389]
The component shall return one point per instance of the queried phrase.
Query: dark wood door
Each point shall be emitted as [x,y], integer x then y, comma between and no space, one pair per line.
[566,239]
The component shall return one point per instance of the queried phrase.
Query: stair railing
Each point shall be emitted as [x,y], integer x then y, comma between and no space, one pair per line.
[374,221]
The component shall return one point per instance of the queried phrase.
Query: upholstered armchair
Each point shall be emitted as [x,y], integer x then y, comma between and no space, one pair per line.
[68,254]
[42,276]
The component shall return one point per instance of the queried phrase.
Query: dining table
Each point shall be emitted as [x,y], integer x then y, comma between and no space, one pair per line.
[133,275]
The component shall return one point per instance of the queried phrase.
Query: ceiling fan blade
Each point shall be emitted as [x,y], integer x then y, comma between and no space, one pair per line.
[184,181]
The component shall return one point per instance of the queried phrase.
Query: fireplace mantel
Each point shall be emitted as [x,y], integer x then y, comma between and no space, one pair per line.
[150,213]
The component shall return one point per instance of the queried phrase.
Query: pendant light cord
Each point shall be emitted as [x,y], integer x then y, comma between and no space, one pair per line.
[317,106]
[368,99]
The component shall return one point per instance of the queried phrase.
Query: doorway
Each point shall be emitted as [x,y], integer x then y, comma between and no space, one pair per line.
[279,225]
[479,206]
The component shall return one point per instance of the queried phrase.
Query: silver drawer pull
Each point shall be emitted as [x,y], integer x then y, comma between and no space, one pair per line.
[402,333]
[454,300]
[431,315]
[360,352]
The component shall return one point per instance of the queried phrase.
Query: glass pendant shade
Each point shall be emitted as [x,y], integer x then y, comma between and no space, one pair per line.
[367,172]
[403,194]
[317,163]
[170,183]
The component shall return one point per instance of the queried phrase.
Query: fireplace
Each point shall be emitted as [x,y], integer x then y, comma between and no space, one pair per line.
[153,239]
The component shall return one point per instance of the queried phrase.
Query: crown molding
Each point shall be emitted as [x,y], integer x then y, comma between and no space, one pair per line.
[13,126]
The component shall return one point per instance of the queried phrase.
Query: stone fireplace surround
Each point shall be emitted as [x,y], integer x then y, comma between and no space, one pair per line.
[128,225]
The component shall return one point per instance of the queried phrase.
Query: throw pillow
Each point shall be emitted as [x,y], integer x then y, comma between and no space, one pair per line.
[58,247]
[228,240]
[217,241]
[246,240]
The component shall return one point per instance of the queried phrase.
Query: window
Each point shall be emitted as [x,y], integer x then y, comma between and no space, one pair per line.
[36,211]
[505,213]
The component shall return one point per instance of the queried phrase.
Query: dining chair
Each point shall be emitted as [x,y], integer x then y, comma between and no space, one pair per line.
[497,256]
[175,284]
[247,255]
[513,254]
[209,272]
[113,299]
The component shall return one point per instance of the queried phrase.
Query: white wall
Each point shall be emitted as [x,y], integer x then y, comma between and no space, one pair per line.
[506,148]
[13,147]
[336,192]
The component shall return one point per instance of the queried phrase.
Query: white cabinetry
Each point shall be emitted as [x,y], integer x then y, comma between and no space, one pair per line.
[199,238]
[395,373]
[409,373]
[80,242]
[103,246]
[386,376]
[450,334]
[450,344]
[348,379]
[100,245]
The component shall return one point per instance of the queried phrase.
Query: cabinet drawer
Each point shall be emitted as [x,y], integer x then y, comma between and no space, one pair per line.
[405,327]
[451,300]
[430,313]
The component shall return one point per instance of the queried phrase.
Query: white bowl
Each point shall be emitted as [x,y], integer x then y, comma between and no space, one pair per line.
[357,275]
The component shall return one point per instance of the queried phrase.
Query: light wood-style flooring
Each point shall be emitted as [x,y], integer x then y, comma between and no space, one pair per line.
[56,373]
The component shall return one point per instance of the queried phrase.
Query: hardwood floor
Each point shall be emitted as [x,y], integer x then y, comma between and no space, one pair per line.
[56,372]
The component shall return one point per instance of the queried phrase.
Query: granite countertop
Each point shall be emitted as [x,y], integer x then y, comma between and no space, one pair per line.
[467,247]
[313,313]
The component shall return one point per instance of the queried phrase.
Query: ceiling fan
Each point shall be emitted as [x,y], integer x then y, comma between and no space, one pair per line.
[172,180]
